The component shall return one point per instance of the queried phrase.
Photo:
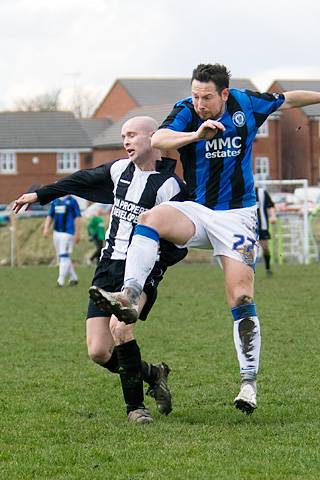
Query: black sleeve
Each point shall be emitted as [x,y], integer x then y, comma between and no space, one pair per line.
[268,203]
[183,194]
[94,184]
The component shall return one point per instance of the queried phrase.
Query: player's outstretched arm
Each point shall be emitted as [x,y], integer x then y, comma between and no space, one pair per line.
[25,199]
[94,184]
[299,98]
[166,139]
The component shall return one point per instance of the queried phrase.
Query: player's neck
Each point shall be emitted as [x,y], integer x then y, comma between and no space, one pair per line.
[221,113]
[147,165]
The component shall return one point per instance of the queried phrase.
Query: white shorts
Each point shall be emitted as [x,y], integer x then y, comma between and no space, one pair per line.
[63,243]
[232,233]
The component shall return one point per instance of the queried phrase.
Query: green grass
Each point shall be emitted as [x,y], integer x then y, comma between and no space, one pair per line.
[62,417]
[33,248]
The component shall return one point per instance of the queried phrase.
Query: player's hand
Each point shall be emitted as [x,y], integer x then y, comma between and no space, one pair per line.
[209,129]
[25,199]
[46,232]
[76,238]
[273,220]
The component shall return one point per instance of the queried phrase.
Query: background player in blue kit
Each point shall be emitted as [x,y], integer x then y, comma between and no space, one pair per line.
[65,214]
[213,130]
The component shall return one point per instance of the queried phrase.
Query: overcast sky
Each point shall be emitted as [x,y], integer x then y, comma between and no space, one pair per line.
[88,44]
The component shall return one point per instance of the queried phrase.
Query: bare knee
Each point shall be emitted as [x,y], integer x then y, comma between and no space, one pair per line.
[99,353]
[170,223]
[154,219]
[240,294]
[239,282]
[120,332]
[151,219]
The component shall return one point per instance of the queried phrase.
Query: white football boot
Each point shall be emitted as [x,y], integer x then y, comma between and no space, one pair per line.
[246,401]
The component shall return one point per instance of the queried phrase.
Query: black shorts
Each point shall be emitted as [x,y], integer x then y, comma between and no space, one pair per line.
[109,275]
[264,235]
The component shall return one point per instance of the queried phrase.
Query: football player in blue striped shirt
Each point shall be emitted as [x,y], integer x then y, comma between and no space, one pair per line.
[213,130]
[65,215]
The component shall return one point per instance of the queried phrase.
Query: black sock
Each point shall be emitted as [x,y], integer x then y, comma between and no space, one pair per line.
[267,260]
[149,372]
[112,364]
[130,370]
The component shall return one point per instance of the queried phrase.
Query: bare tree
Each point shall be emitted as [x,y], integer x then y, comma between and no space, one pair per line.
[84,102]
[46,102]
[81,103]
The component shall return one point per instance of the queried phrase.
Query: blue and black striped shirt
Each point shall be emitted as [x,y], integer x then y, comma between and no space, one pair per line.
[64,211]
[218,172]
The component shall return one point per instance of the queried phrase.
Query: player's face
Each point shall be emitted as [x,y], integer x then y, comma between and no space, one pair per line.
[207,102]
[136,141]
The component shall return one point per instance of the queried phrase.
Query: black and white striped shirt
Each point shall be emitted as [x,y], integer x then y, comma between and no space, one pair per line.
[135,191]
[131,191]
[264,202]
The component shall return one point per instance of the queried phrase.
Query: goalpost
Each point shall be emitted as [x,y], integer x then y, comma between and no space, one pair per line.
[292,238]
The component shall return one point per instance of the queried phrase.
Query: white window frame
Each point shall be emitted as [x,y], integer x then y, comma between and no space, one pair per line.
[68,161]
[8,162]
[263,131]
[262,168]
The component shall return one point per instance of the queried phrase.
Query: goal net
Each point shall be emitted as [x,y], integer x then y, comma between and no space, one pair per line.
[292,237]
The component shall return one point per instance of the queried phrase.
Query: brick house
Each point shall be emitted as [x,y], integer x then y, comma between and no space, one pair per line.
[38,148]
[300,139]
[129,93]
[155,97]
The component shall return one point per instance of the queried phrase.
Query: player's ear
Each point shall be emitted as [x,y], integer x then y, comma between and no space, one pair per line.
[225,94]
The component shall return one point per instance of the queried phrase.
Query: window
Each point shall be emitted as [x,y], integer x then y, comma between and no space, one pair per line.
[8,162]
[68,162]
[262,168]
[264,130]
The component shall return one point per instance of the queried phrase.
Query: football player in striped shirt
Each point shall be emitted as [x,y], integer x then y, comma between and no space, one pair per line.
[133,185]
[266,214]
[65,215]
[213,130]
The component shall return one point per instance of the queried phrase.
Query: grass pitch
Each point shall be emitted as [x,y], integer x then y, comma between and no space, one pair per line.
[62,417]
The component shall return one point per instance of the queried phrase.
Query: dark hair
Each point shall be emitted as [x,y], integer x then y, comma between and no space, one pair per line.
[218,74]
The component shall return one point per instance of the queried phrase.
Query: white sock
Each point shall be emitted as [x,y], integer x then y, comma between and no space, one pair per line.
[247,341]
[72,272]
[64,263]
[141,256]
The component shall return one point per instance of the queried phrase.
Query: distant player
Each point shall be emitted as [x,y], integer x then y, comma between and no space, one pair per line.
[266,213]
[65,215]
[96,233]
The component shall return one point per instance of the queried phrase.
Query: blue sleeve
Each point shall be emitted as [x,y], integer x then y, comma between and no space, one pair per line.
[51,210]
[263,104]
[179,119]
